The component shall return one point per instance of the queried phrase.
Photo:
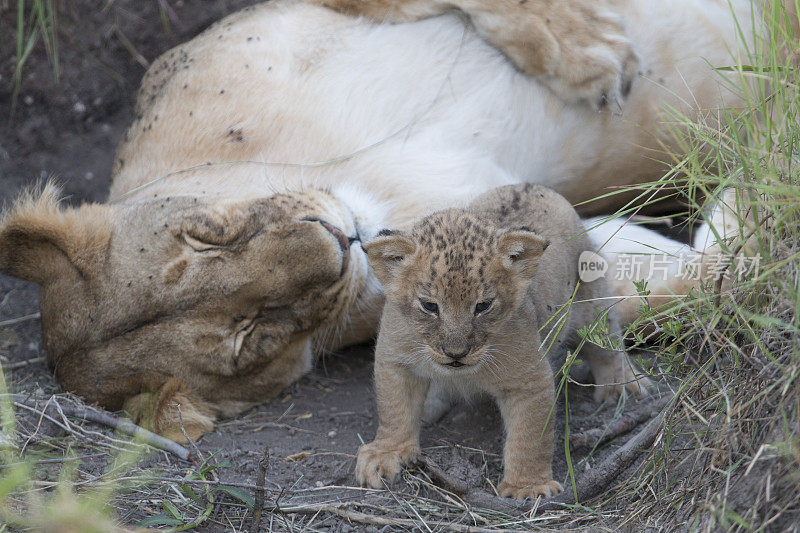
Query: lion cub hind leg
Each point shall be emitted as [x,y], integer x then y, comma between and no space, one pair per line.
[400,396]
[172,411]
[437,404]
[613,371]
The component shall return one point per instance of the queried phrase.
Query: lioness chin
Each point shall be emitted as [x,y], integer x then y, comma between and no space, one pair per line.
[476,301]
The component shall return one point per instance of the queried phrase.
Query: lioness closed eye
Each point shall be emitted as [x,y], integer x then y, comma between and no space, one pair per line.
[467,292]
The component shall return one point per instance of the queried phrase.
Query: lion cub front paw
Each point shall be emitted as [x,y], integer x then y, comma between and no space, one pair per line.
[520,492]
[376,461]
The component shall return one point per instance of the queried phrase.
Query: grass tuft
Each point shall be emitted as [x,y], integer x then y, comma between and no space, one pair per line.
[727,456]
[35,19]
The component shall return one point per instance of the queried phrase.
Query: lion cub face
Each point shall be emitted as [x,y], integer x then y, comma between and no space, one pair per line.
[454,280]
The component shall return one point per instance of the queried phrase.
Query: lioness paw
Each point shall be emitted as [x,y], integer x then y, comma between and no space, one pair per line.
[376,461]
[578,48]
[520,492]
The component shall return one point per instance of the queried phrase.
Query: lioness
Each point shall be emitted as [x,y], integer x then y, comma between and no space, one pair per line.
[475,300]
[266,147]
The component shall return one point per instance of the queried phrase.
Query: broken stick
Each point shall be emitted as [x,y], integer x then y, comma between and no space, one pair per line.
[109,420]
[599,479]
[472,496]
[594,482]
[263,465]
[625,423]
[384,521]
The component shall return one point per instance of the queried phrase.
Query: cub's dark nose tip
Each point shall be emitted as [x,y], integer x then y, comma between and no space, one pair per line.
[456,356]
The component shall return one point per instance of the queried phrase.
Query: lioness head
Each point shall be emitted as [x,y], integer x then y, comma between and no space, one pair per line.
[453,279]
[205,290]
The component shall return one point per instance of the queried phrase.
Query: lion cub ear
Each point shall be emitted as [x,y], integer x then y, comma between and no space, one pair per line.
[387,252]
[40,241]
[521,251]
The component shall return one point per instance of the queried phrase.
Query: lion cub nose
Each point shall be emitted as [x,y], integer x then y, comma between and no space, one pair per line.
[456,353]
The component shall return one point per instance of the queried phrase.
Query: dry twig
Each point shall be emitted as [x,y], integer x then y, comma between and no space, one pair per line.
[475,497]
[598,479]
[12,321]
[591,484]
[376,520]
[263,465]
[625,423]
[21,364]
[106,419]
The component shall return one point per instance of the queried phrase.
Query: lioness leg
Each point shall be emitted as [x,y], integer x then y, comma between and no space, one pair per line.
[577,47]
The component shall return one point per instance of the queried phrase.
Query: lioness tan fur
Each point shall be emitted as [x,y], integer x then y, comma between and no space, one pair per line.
[263,150]
[475,301]
[577,47]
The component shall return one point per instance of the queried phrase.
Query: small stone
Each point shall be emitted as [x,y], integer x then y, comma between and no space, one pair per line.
[28,100]
[332,433]
[319,484]
[79,107]
[89,176]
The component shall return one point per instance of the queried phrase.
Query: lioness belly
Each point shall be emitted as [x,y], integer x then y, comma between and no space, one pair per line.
[286,96]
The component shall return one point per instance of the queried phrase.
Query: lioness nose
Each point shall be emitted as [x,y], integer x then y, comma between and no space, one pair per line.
[455,355]
[344,242]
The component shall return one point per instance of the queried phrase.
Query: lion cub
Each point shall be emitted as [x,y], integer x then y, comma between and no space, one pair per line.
[474,298]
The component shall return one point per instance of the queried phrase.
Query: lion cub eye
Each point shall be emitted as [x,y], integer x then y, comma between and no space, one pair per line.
[482,307]
[429,307]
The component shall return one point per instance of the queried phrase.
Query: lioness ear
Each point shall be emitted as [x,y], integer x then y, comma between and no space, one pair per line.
[387,252]
[521,251]
[40,241]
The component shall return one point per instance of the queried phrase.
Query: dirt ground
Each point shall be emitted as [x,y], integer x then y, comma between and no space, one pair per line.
[68,130]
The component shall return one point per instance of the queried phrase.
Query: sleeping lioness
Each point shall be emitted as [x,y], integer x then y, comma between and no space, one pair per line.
[476,300]
[265,148]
